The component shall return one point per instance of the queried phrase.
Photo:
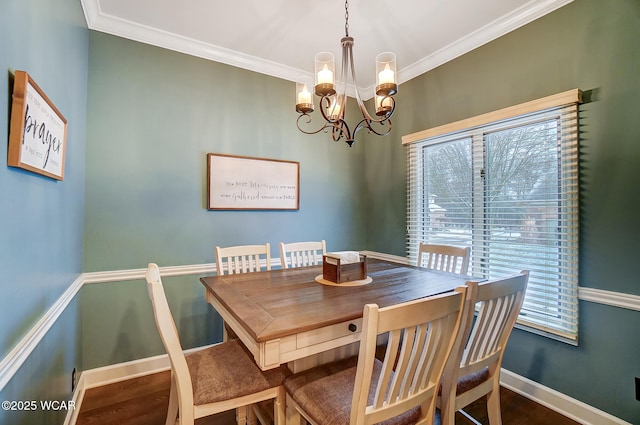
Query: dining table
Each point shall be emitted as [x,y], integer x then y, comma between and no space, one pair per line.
[294,317]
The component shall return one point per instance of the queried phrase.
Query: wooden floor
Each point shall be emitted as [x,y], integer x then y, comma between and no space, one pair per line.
[143,401]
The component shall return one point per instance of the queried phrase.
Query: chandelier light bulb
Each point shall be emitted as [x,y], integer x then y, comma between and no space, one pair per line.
[386,84]
[325,76]
[304,98]
[305,95]
[386,75]
[325,71]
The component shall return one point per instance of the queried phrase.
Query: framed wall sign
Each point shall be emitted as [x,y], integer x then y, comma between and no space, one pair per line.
[244,183]
[37,130]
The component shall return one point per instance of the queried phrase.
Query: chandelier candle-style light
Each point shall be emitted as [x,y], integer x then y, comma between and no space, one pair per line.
[333,103]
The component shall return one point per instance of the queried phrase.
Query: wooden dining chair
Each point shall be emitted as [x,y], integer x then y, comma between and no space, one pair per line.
[473,370]
[212,380]
[403,386]
[235,260]
[243,259]
[300,254]
[444,257]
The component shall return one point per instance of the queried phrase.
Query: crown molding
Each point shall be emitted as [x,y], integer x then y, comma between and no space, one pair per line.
[507,23]
[103,22]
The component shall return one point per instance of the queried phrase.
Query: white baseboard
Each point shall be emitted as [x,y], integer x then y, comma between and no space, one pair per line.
[119,372]
[106,375]
[78,396]
[554,400]
[98,377]
[128,370]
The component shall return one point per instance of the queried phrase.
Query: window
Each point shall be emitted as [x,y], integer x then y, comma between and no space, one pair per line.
[506,185]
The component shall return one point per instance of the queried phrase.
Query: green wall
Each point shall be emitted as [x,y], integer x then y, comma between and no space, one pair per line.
[153,115]
[42,219]
[591,45]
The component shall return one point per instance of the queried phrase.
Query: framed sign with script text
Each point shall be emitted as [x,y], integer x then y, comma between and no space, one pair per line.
[244,183]
[37,131]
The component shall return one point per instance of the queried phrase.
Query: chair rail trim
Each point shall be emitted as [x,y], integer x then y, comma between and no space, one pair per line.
[23,349]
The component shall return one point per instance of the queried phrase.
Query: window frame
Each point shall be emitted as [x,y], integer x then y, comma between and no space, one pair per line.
[563,106]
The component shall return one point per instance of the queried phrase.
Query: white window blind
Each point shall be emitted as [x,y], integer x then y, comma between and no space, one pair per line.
[509,190]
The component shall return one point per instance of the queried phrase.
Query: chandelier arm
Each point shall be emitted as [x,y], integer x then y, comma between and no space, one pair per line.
[338,128]
[367,124]
[361,125]
[341,129]
[342,93]
[383,123]
[350,63]
[308,121]
[325,105]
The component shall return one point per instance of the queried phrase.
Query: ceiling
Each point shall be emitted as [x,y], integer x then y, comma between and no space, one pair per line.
[280,37]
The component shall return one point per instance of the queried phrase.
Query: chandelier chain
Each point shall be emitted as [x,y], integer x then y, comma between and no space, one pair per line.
[346,18]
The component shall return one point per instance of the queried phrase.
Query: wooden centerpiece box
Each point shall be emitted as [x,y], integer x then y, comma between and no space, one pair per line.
[338,270]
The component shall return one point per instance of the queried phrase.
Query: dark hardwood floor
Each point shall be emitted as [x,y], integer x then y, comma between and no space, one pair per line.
[143,401]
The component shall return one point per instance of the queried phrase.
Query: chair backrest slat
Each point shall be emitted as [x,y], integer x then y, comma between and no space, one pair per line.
[444,257]
[243,259]
[499,306]
[302,254]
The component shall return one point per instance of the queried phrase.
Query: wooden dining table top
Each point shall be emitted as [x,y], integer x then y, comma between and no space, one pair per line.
[279,303]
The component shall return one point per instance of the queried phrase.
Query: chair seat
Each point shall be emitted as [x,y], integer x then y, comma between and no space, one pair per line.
[226,371]
[472,380]
[325,392]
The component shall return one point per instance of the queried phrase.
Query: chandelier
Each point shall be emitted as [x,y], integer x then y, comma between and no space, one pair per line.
[332,103]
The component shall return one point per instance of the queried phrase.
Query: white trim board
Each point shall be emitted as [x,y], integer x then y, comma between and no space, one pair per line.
[98,20]
[128,370]
[554,400]
[78,396]
[19,354]
[614,299]
[106,375]
[23,349]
